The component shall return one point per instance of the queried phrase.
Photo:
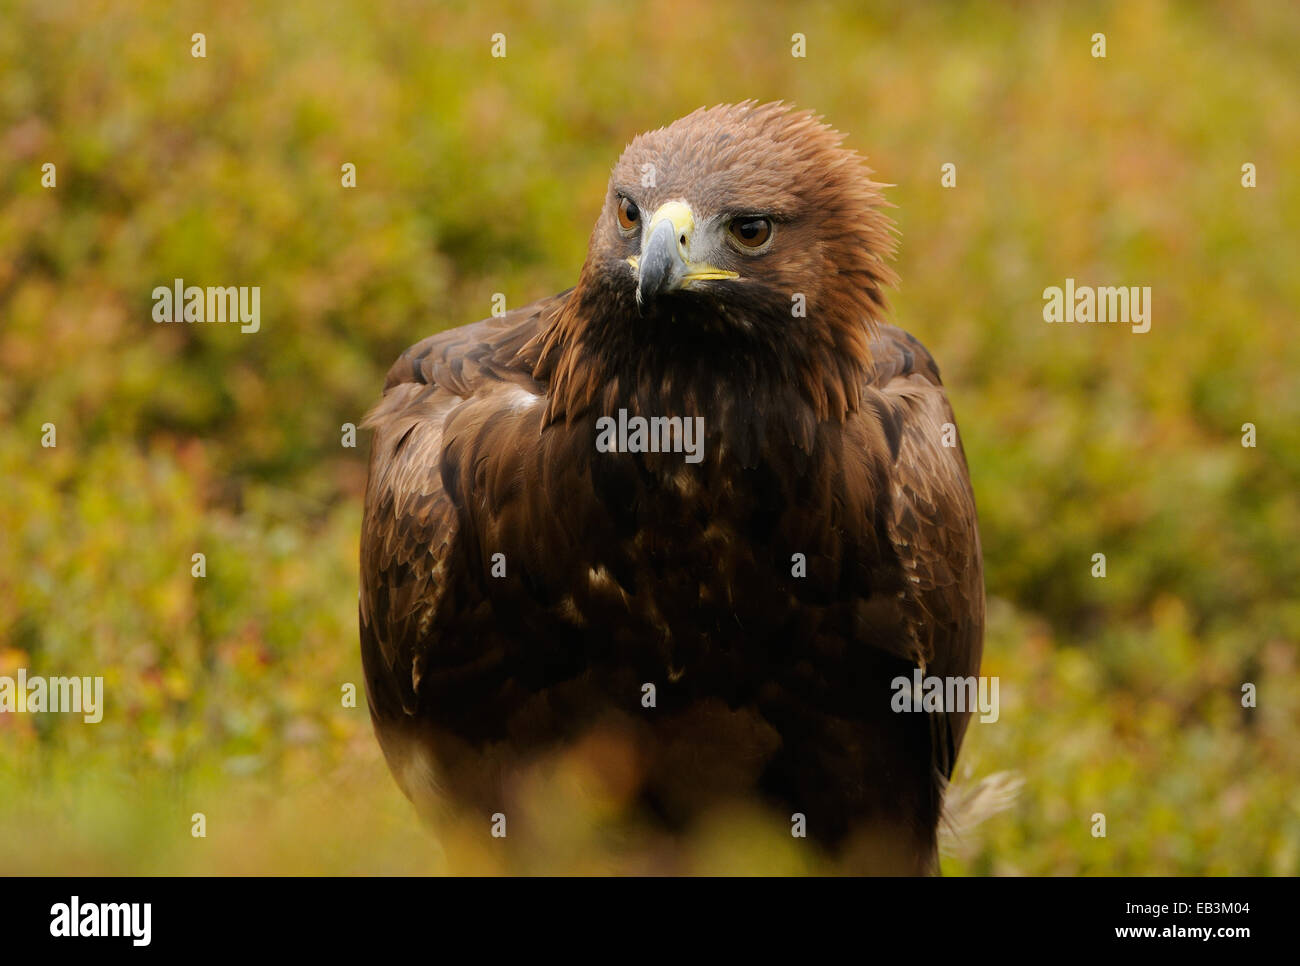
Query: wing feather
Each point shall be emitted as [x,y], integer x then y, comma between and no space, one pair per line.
[446,387]
[932,524]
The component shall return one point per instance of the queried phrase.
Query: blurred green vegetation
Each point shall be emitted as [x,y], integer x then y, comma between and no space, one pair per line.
[476,175]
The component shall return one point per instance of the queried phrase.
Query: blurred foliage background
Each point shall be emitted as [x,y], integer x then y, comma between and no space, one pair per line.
[477,175]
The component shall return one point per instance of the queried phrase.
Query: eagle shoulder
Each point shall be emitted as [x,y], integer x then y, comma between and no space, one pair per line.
[931,517]
[441,392]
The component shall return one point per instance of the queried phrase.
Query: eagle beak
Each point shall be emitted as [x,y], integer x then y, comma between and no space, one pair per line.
[665,263]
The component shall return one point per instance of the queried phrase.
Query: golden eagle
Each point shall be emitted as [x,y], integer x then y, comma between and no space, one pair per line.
[709,473]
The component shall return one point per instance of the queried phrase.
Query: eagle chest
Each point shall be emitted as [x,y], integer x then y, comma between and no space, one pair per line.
[695,571]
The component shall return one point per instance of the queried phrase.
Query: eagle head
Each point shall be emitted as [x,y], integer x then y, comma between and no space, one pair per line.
[741,243]
[748,216]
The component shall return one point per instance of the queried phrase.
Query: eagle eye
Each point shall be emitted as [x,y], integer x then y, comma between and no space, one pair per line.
[751,233]
[629,215]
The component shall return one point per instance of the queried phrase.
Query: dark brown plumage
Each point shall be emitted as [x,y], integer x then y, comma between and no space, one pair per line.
[823,437]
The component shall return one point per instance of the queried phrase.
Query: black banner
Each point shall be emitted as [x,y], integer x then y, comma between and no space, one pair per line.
[334,916]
